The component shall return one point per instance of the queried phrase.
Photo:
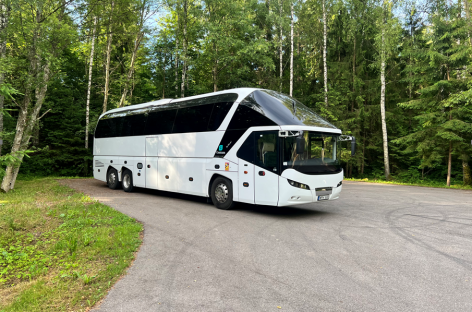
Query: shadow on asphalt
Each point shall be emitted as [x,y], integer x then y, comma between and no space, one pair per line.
[291,212]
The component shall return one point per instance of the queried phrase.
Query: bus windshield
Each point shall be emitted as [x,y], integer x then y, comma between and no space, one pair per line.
[320,156]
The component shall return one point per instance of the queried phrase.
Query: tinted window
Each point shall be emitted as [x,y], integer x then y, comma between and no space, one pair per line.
[192,119]
[108,127]
[246,151]
[220,110]
[160,121]
[246,117]
[229,138]
[133,125]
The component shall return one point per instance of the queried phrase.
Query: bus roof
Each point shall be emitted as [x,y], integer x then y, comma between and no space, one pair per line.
[241,92]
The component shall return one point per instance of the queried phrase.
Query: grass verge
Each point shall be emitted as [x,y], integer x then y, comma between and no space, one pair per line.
[59,249]
[422,183]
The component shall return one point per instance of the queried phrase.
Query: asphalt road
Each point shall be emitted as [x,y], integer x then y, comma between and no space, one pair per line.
[377,248]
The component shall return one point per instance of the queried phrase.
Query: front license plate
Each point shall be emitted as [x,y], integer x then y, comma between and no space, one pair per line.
[323,197]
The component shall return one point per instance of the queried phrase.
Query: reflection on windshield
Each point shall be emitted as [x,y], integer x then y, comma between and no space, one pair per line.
[283,109]
[319,156]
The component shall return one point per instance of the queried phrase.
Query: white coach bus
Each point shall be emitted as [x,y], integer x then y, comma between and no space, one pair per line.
[241,145]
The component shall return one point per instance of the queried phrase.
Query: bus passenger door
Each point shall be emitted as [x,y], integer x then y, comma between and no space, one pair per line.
[151,162]
[151,172]
[266,177]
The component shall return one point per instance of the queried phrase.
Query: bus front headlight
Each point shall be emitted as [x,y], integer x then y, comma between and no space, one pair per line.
[298,184]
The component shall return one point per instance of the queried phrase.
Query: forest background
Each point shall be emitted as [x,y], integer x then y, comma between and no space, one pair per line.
[395,74]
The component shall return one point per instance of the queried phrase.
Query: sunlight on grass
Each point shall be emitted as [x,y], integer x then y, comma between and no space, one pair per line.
[60,249]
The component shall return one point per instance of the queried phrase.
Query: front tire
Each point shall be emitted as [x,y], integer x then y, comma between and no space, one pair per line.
[112,179]
[222,193]
[127,181]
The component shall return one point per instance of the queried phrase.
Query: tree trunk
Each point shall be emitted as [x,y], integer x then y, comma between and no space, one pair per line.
[3,43]
[467,178]
[363,154]
[325,66]
[40,95]
[107,65]
[467,14]
[184,67]
[354,76]
[89,87]
[382,106]
[177,56]
[215,68]
[291,48]
[16,147]
[137,42]
[449,165]
[280,45]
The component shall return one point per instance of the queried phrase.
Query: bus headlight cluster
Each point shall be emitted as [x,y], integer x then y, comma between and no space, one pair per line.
[299,185]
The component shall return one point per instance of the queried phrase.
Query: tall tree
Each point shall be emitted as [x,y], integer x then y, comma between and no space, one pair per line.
[108,57]
[325,65]
[89,87]
[184,46]
[291,47]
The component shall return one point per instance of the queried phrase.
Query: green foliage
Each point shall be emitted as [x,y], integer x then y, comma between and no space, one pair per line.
[236,44]
[48,233]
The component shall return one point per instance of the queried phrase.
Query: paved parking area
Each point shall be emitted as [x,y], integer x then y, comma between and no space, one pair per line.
[378,248]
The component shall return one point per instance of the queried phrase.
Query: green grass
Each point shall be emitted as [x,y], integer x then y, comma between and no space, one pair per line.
[59,249]
[419,183]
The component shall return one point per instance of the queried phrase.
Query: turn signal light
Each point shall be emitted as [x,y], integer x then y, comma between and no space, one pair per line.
[298,184]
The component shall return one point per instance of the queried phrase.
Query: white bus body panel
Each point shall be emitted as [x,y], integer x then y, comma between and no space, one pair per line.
[196,144]
[122,146]
[266,187]
[290,195]
[246,175]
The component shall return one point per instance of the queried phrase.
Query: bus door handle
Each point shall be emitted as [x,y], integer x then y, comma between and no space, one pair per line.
[262,173]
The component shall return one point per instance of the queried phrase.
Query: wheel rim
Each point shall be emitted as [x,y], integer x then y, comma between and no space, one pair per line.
[221,193]
[126,181]
[111,178]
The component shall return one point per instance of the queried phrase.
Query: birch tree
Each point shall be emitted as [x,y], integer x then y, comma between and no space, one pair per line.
[281,43]
[325,65]
[146,9]
[291,47]
[108,57]
[89,87]
[184,46]
[4,12]
[41,37]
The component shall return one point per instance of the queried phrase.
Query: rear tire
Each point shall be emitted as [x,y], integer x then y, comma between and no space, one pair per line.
[112,179]
[127,181]
[222,193]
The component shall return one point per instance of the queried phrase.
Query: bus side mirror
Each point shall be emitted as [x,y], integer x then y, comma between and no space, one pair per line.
[353,146]
[300,145]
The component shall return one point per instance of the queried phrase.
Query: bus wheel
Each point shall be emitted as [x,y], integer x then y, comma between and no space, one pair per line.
[112,179]
[127,181]
[222,193]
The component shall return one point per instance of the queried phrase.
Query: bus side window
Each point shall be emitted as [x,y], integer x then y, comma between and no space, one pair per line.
[266,154]
[160,121]
[220,110]
[192,119]
[246,151]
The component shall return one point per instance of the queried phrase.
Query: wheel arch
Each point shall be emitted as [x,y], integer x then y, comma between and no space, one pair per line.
[123,169]
[213,178]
